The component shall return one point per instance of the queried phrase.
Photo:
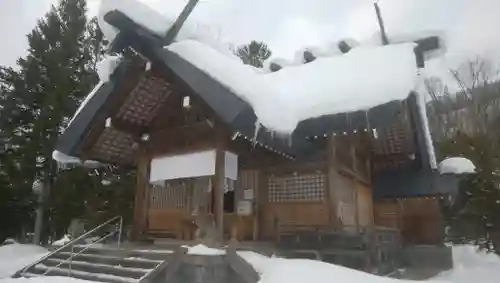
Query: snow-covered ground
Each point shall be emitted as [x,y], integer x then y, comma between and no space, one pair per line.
[15,256]
[470,267]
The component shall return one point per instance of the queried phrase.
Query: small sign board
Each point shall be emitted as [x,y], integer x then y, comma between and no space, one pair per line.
[244,208]
[248,194]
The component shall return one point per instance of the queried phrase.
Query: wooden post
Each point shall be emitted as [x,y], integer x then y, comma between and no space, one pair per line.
[262,201]
[330,160]
[139,221]
[356,202]
[219,193]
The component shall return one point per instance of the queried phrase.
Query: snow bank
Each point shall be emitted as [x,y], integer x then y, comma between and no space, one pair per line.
[471,265]
[457,165]
[13,257]
[107,66]
[48,279]
[274,270]
[203,250]
[363,78]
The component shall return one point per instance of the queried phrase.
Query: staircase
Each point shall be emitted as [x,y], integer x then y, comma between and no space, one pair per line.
[101,264]
[97,262]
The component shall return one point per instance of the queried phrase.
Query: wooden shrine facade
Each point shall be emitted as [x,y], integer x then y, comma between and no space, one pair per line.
[343,172]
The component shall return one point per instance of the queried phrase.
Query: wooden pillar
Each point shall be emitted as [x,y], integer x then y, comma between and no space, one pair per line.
[261,198]
[330,161]
[219,181]
[140,207]
[356,202]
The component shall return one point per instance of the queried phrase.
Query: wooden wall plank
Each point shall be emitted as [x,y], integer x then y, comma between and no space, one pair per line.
[142,183]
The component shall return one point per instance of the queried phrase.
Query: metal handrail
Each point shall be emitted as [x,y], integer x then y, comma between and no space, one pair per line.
[70,258]
[70,243]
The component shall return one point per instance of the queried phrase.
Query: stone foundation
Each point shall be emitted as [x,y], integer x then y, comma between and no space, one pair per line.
[198,268]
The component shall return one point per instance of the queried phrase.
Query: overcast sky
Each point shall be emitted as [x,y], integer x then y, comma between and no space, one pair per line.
[470,26]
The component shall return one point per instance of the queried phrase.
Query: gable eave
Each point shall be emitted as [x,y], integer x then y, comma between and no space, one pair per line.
[74,137]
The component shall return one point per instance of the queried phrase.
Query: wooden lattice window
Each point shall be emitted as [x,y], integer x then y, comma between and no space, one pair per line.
[307,187]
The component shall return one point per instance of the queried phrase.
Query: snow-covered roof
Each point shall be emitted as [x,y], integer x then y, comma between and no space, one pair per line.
[361,79]
[337,81]
[457,165]
[158,24]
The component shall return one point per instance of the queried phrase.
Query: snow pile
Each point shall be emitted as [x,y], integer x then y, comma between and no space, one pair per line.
[276,270]
[203,250]
[63,241]
[457,165]
[15,256]
[363,78]
[471,265]
[107,66]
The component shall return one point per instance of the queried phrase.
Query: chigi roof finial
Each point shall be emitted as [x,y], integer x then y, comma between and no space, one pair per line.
[385,41]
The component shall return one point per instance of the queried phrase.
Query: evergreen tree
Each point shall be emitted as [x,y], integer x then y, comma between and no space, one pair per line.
[43,94]
[254,53]
[474,217]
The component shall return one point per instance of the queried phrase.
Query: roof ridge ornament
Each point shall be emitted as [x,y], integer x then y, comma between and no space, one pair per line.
[176,27]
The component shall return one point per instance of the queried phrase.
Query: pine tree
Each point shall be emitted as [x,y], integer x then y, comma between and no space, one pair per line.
[254,53]
[52,79]
[37,100]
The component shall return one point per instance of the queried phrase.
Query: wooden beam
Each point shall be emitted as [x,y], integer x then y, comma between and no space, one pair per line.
[127,127]
[142,184]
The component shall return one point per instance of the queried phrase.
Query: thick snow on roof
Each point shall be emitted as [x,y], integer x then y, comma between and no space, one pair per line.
[159,24]
[456,165]
[66,159]
[363,78]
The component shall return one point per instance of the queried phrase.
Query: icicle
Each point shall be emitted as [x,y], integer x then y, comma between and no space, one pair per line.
[256,133]
[108,122]
[289,140]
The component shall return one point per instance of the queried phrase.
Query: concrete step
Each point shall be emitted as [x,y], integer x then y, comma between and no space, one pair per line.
[154,254]
[98,268]
[40,269]
[133,262]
